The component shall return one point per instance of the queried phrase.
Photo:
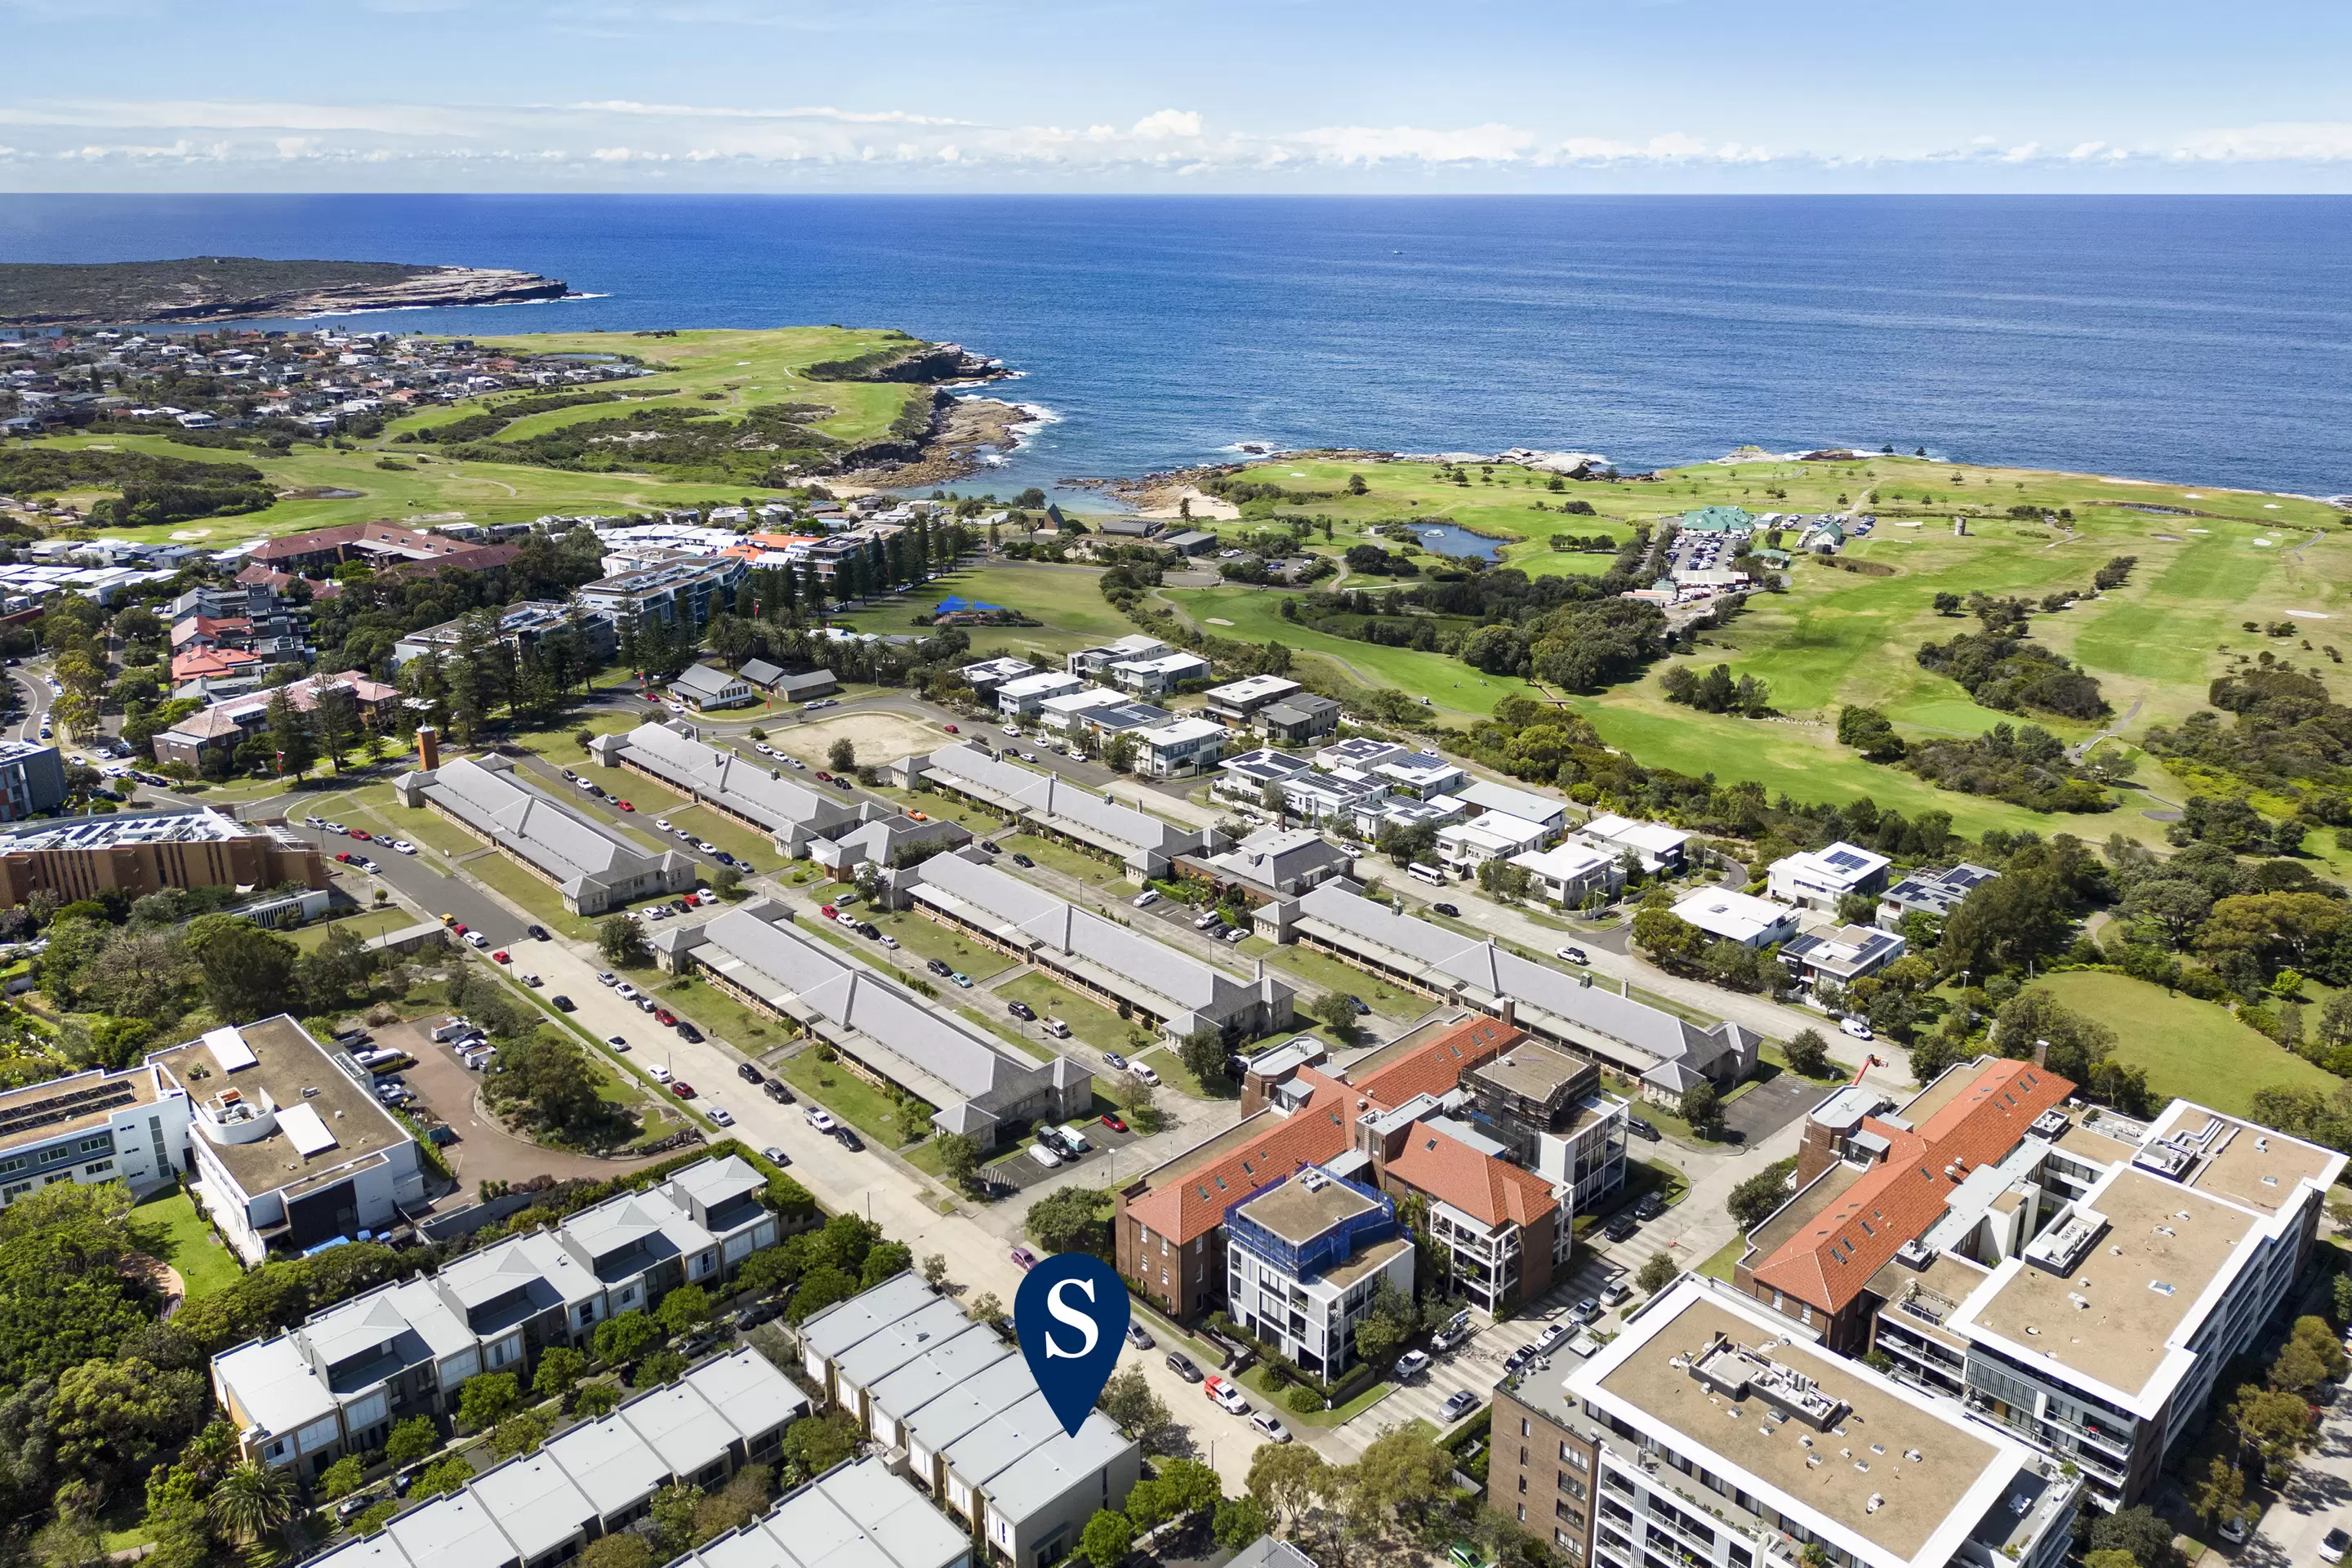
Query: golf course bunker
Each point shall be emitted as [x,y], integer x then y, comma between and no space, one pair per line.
[880,737]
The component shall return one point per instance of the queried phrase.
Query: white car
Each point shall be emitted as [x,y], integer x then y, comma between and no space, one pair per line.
[681,835]
[657,1072]
[821,1120]
[1144,1074]
[314,822]
[706,847]
[475,939]
[1270,1429]
[662,822]
[1146,899]
[891,942]
[1411,1364]
[606,977]
[1045,1156]
[338,827]
[404,847]
[764,748]
[1857,1027]
[624,991]
[720,1115]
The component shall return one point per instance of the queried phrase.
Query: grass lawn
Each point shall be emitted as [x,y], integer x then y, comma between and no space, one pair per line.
[426,831]
[1174,1072]
[1719,1266]
[724,831]
[1321,971]
[369,923]
[928,939]
[205,1265]
[845,1094]
[1097,1025]
[1255,1381]
[542,902]
[714,1012]
[2191,1050]
[1067,599]
[1061,857]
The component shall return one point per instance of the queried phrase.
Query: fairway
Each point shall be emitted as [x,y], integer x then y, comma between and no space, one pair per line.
[2191,1050]
[1254,613]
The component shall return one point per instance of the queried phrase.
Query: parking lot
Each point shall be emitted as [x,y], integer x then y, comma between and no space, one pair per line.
[1768,1107]
[1021,1172]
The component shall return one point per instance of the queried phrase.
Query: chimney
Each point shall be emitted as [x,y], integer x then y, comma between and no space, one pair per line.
[1510,1014]
[2042,1053]
[429,748]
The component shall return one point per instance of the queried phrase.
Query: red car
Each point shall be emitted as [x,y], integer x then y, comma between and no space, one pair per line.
[344,856]
[363,837]
[664,1016]
[1112,1122]
[624,805]
[459,928]
[827,910]
[823,777]
[953,731]
[683,1090]
[500,956]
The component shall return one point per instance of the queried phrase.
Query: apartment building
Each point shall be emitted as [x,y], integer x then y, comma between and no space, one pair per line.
[135,853]
[1156,675]
[521,627]
[1571,874]
[1143,980]
[598,1477]
[335,1385]
[590,865]
[129,1126]
[1179,749]
[976,1431]
[662,585]
[1464,847]
[1654,846]
[1020,697]
[2076,1277]
[1304,1259]
[32,779]
[224,726]
[1719,1438]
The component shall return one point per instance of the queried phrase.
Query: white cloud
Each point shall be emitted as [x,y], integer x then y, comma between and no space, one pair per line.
[2320,141]
[1412,144]
[1166,123]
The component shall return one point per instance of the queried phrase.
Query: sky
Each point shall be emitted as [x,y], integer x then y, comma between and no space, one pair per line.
[1164,96]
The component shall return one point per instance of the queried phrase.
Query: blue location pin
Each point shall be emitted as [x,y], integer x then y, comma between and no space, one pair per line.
[1071,1315]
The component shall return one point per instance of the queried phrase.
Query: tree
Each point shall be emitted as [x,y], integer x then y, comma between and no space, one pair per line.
[621,941]
[487,1398]
[673,1510]
[814,1444]
[1336,1011]
[561,1368]
[115,1415]
[1702,1107]
[594,1400]
[1204,1051]
[986,1308]
[289,737]
[1069,1219]
[410,1440]
[442,1477]
[887,1257]
[1183,1487]
[935,1270]
[1657,1273]
[684,1310]
[1286,1478]
[659,1368]
[342,1479]
[1389,1320]
[251,1500]
[1127,1399]
[2004,923]
[1807,1054]
[2221,1492]
[2078,1044]
[959,1156]
[2140,1532]
[623,1549]
[2175,905]
[550,1073]
[518,1434]
[1239,1522]
[1753,1200]
[248,972]
[1106,1539]
[842,755]
[1404,1471]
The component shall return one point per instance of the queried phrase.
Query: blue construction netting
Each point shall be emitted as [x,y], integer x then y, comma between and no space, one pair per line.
[1333,1246]
[954,603]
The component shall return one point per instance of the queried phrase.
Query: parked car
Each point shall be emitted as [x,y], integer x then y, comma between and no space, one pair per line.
[562,1003]
[1651,1206]
[618,1042]
[2333,1543]
[1023,861]
[1146,899]
[750,1074]
[1045,1154]
[775,1156]
[1114,1062]
[1225,1396]
[1457,1405]
[1021,1010]
[849,1139]
[1270,1428]
[1641,1129]
[1024,1257]
[1138,1338]
[1182,1365]
[1113,1120]
[1616,1290]
[682,1088]
[1411,1364]
[776,1090]
[820,1119]
[660,1074]
[1143,1074]
[1448,910]
[1573,954]
[1622,1226]
[721,1116]
[1857,1027]
[939,967]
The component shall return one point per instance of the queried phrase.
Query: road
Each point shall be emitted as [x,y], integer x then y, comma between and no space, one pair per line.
[32,681]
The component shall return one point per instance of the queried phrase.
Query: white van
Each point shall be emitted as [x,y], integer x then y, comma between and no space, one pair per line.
[1429,874]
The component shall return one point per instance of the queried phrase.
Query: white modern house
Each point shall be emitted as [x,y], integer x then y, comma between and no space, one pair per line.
[1733,916]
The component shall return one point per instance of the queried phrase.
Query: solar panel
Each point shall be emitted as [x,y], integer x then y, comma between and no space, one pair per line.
[66,1107]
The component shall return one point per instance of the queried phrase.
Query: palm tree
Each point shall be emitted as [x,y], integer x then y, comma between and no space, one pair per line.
[252,1499]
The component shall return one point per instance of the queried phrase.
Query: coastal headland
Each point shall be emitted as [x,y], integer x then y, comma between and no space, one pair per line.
[233,288]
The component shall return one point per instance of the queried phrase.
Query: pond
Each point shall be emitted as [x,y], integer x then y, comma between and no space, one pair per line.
[1453,538]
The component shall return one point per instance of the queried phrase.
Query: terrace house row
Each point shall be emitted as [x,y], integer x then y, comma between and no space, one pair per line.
[764,799]
[597,1479]
[1663,1052]
[1142,980]
[335,1385]
[1054,808]
[959,1403]
[882,1033]
[2077,1277]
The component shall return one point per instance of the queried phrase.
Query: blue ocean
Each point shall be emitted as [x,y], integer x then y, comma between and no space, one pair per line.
[2205,340]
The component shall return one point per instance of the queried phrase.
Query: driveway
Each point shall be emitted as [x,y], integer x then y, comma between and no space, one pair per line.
[484,1149]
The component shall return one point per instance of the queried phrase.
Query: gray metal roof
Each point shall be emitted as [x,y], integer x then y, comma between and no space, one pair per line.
[956,1412]
[1049,1472]
[536,1507]
[944,1365]
[855,1516]
[763,794]
[880,1354]
[549,834]
[704,680]
[998,1443]
[846,1323]
[1051,795]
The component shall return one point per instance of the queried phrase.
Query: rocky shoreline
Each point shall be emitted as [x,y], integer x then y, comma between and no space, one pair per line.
[965,433]
[228,288]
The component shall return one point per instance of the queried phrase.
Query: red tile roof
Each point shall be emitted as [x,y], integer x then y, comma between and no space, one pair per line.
[1828,1262]
[1488,1189]
[205,661]
[1437,1066]
[1194,1204]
